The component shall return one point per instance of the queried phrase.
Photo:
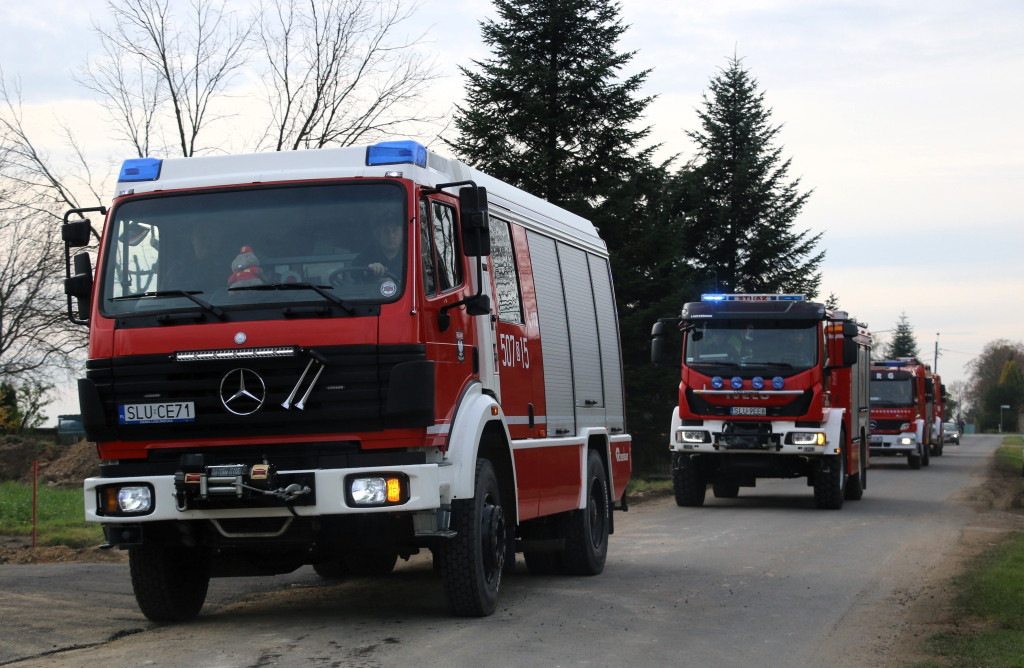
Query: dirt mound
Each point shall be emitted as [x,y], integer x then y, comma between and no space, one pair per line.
[58,464]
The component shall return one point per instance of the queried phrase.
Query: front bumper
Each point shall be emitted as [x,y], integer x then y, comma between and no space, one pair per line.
[894,444]
[780,437]
[429,488]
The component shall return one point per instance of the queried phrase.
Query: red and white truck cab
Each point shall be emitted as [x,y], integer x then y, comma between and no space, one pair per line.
[902,410]
[773,386]
[339,357]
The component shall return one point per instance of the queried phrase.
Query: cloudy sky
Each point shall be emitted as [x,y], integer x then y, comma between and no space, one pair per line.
[904,118]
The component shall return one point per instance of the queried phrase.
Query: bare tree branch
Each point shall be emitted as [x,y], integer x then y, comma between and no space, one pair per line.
[337,72]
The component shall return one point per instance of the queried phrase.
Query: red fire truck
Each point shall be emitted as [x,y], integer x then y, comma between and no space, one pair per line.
[340,357]
[938,440]
[902,410]
[773,386]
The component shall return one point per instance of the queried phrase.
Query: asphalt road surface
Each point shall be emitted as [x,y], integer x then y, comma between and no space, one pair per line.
[761,580]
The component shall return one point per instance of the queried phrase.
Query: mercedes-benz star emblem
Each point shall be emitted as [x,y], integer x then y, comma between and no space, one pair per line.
[242,391]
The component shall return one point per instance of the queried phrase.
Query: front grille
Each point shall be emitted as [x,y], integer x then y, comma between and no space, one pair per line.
[351,395]
[795,408]
[886,425]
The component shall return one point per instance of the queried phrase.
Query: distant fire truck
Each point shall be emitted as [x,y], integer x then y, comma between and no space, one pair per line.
[773,386]
[938,439]
[902,410]
[339,357]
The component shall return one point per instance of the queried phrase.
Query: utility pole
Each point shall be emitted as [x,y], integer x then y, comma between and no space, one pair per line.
[935,364]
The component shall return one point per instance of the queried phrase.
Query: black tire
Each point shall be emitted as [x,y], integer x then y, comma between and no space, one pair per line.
[829,486]
[335,569]
[473,560]
[725,490]
[688,484]
[170,583]
[586,536]
[926,455]
[914,460]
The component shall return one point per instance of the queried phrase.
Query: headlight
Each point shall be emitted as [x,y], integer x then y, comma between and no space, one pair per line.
[684,436]
[906,440]
[807,438]
[377,490]
[126,500]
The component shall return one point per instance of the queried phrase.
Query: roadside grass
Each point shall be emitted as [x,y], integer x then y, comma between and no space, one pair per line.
[989,608]
[60,515]
[641,487]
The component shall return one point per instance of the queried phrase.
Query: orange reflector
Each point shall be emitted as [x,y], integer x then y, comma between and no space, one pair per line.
[110,500]
[494,410]
[394,490]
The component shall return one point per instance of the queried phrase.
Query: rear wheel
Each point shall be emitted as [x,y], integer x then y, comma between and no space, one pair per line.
[856,482]
[472,561]
[170,583]
[586,537]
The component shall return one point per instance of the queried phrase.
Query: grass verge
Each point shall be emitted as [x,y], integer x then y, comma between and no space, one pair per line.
[989,608]
[60,515]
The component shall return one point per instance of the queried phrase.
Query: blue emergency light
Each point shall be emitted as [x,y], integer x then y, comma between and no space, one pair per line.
[140,169]
[739,297]
[405,152]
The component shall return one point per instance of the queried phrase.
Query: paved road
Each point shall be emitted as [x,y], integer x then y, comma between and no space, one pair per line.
[762,580]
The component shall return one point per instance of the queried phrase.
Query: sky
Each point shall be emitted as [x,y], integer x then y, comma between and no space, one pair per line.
[903,118]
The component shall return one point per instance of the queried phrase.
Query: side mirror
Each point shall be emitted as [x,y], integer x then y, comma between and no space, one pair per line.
[476,231]
[658,343]
[76,233]
[850,330]
[79,287]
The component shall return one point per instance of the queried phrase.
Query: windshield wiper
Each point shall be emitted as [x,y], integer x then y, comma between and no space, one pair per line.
[188,294]
[715,363]
[319,289]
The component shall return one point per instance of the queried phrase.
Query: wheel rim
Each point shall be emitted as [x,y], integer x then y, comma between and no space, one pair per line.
[492,533]
[596,514]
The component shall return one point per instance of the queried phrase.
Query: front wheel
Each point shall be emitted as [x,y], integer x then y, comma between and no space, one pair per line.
[170,583]
[472,561]
[586,537]
[688,484]
[829,483]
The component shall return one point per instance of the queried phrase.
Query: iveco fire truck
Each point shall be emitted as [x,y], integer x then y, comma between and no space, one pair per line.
[901,410]
[773,386]
[340,357]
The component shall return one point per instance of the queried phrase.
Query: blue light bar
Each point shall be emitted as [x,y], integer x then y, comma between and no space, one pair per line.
[750,298]
[396,153]
[140,169]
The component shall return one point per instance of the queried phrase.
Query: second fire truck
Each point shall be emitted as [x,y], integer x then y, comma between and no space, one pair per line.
[773,386]
[902,410]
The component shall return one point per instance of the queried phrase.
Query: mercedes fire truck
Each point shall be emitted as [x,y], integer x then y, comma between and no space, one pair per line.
[773,386]
[341,357]
[902,395]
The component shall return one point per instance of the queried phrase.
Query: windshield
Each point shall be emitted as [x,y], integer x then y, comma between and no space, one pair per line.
[780,344]
[892,392]
[225,250]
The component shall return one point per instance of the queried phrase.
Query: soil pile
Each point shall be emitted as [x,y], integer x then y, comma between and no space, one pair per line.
[58,464]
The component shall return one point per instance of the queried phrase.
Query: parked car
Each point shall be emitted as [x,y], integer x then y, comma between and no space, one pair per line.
[950,433]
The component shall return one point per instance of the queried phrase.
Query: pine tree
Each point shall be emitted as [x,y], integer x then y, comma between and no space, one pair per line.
[552,113]
[903,343]
[740,205]
[547,112]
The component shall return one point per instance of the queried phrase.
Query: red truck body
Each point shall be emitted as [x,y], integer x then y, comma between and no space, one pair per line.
[772,386]
[391,352]
[902,410]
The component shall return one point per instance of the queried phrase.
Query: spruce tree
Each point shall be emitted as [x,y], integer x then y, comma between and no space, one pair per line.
[551,111]
[741,205]
[903,343]
[548,112]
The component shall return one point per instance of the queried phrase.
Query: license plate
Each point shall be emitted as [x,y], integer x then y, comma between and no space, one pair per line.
[171,411]
[748,410]
[876,440]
